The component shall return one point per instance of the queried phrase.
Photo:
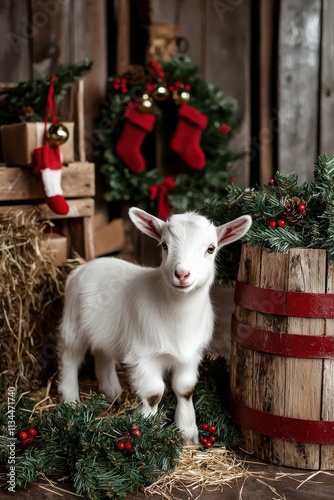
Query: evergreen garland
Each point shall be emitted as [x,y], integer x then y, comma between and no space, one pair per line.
[27,101]
[274,226]
[193,187]
[80,442]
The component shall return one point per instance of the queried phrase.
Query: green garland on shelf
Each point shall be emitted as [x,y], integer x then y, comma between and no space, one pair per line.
[26,102]
[80,443]
[193,187]
[285,214]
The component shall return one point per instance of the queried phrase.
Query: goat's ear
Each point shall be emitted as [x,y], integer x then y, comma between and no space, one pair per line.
[232,231]
[148,224]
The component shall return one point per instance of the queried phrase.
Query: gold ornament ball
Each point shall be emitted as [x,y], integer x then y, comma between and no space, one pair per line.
[161,93]
[57,134]
[146,104]
[181,96]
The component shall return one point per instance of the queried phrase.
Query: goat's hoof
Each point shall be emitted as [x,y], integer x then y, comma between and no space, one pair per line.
[190,441]
[114,400]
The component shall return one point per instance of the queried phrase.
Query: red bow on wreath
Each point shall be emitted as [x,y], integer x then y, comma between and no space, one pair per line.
[160,191]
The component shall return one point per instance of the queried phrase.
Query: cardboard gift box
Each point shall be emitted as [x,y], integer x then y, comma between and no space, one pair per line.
[20,139]
[56,245]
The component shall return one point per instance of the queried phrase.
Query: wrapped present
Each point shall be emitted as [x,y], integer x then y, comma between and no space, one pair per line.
[56,246]
[20,139]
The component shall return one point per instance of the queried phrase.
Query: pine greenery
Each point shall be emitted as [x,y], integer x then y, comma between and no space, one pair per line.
[267,203]
[79,442]
[193,187]
[27,101]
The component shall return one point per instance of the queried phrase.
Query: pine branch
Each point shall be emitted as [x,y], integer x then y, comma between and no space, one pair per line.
[27,101]
[313,229]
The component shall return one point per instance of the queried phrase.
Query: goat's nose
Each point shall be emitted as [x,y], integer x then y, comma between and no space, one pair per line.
[182,275]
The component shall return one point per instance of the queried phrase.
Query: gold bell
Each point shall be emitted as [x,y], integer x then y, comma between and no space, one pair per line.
[181,96]
[57,134]
[160,93]
[146,104]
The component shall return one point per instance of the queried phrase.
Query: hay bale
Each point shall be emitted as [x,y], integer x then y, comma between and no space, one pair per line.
[32,289]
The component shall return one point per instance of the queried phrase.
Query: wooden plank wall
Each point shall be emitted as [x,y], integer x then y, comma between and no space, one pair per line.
[36,36]
[219,41]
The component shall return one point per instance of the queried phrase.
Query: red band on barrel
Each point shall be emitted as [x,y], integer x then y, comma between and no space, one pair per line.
[286,428]
[282,344]
[284,303]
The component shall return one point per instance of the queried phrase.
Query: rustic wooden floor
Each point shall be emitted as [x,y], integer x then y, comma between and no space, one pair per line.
[261,481]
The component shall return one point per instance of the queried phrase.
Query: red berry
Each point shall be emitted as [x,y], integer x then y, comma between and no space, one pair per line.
[28,441]
[117,80]
[224,129]
[136,432]
[212,428]
[127,437]
[23,436]
[213,439]
[128,446]
[204,426]
[301,207]
[273,224]
[208,444]
[281,223]
[204,440]
[187,86]
[272,181]
[121,445]
[32,432]
[117,86]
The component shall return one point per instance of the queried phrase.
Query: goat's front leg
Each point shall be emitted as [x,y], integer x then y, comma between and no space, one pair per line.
[106,374]
[184,381]
[147,380]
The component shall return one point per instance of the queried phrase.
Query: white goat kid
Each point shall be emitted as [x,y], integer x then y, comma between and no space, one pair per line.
[154,320]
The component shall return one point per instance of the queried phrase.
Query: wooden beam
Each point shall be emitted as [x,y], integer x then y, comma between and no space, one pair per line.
[267,129]
[82,207]
[299,48]
[20,184]
[326,144]
[227,64]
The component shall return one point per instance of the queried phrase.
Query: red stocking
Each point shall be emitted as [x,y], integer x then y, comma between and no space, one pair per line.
[186,140]
[48,163]
[134,131]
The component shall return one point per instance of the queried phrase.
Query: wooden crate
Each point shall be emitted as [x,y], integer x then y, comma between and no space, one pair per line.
[282,356]
[21,189]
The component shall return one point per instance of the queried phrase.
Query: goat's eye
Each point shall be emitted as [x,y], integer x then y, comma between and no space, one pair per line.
[164,245]
[211,249]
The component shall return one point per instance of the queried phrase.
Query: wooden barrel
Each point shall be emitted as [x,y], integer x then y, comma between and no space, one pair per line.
[282,356]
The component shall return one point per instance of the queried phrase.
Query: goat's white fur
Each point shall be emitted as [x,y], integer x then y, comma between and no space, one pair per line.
[154,320]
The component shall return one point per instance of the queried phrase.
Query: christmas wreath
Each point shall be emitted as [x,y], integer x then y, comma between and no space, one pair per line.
[285,214]
[198,121]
